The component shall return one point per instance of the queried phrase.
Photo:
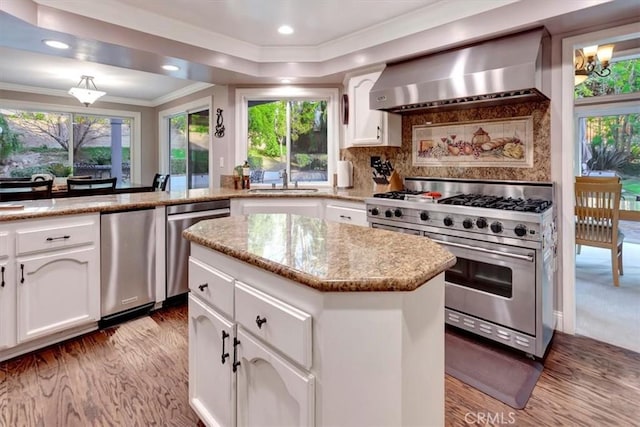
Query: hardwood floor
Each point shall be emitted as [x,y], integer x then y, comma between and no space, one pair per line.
[135,374]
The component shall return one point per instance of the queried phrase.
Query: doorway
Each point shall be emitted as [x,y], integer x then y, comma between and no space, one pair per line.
[607,143]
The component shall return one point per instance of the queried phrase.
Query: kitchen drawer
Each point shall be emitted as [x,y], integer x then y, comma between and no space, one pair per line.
[212,286]
[56,234]
[283,326]
[348,215]
[5,247]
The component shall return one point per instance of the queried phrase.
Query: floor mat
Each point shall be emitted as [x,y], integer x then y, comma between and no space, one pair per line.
[502,374]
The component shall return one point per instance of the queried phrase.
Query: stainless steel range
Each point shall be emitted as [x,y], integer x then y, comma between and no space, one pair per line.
[503,235]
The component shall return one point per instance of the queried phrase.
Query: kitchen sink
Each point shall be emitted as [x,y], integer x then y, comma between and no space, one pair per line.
[282,190]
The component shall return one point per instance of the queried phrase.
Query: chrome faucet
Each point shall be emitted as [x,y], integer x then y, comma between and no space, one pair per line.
[285,179]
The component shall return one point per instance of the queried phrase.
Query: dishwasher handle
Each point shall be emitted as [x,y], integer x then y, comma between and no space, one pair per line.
[216,213]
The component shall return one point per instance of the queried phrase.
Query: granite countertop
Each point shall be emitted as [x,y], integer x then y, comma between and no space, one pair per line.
[327,256]
[108,203]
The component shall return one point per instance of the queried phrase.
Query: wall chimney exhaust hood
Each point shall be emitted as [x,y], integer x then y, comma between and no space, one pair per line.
[515,68]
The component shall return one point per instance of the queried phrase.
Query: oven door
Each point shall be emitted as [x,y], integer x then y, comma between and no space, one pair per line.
[491,281]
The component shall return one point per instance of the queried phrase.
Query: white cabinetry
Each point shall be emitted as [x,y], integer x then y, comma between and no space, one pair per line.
[7,291]
[308,206]
[347,212]
[305,357]
[239,371]
[52,281]
[368,127]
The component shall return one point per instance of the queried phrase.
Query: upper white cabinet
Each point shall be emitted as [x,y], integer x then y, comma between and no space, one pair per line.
[368,127]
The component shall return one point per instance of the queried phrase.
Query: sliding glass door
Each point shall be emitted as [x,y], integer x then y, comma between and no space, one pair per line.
[189,150]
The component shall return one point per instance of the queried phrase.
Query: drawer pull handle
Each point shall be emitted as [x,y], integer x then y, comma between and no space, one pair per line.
[236,362]
[2,285]
[225,335]
[22,273]
[345,217]
[260,321]
[51,239]
[204,285]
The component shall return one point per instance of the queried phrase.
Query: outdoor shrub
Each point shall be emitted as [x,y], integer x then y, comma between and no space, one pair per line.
[303,160]
[28,171]
[607,157]
[319,162]
[255,162]
[59,170]
[178,166]
[100,155]
[9,141]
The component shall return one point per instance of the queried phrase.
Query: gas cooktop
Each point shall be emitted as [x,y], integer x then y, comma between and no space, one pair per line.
[475,200]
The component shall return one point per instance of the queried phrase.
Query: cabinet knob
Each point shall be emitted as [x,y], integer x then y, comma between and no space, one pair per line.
[203,286]
[260,321]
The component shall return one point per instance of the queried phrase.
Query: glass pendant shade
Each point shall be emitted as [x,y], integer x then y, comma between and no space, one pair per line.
[85,94]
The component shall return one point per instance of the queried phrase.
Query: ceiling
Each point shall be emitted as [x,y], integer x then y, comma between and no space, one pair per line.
[123,43]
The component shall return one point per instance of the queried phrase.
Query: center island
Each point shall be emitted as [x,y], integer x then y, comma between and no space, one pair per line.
[294,320]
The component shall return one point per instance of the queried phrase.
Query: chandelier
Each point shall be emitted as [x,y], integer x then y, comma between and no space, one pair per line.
[592,60]
[84,93]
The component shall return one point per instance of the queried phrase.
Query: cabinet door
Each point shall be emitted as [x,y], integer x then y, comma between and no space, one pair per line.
[271,391]
[7,305]
[365,127]
[211,381]
[304,206]
[57,291]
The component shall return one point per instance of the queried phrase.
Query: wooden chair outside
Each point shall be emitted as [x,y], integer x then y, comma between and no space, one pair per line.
[598,179]
[597,207]
[11,191]
[91,187]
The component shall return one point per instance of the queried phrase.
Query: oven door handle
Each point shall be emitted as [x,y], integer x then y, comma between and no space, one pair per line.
[527,257]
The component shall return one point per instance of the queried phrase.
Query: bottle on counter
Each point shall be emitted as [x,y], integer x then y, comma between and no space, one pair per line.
[246,174]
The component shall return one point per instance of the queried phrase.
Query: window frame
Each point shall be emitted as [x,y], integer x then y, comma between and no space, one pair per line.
[136,142]
[331,95]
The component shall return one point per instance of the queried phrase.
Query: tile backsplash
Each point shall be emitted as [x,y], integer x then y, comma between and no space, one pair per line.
[401,157]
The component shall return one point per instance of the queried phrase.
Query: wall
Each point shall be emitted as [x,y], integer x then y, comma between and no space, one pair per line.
[401,157]
[148,128]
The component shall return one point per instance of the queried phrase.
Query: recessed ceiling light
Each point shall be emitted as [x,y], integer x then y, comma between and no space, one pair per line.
[170,67]
[285,29]
[285,81]
[56,44]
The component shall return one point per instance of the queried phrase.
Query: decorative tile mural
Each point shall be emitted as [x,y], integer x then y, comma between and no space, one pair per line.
[474,144]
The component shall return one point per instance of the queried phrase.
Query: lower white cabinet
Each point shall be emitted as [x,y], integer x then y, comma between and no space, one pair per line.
[212,391]
[49,281]
[308,206]
[238,378]
[271,391]
[346,212]
[56,292]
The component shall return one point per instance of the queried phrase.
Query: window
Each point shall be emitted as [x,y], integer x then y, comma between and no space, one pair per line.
[288,129]
[624,79]
[64,143]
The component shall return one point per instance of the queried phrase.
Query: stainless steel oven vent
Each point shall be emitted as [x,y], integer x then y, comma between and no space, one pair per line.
[510,69]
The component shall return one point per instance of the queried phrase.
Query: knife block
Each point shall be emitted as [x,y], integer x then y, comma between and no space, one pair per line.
[395,182]
[380,188]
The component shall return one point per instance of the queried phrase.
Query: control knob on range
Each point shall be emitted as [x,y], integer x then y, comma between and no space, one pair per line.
[388,213]
[520,230]
[448,221]
[397,213]
[481,223]
[467,223]
[375,211]
[424,216]
[496,227]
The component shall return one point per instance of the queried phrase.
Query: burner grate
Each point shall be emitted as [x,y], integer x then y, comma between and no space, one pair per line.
[497,202]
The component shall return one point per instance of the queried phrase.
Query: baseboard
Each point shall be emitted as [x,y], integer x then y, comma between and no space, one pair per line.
[558,315]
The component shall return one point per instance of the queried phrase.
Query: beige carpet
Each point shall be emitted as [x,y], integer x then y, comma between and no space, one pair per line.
[604,312]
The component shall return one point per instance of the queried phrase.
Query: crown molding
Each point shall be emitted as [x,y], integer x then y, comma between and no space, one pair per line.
[196,87]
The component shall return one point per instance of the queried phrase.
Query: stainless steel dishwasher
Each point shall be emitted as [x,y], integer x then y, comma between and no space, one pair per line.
[179,218]
[128,262]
